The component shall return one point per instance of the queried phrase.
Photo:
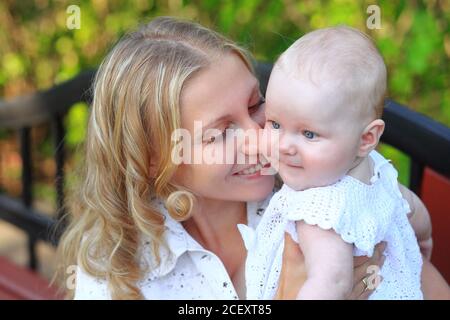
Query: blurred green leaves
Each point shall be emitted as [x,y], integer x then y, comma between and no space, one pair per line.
[13,65]
[37,50]
[76,123]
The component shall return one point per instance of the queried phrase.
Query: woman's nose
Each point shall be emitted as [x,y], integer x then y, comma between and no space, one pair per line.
[259,117]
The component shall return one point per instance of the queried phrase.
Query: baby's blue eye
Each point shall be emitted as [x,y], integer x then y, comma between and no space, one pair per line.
[275,125]
[309,134]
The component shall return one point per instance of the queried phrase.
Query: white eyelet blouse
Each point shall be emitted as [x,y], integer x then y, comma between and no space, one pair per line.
[187,270]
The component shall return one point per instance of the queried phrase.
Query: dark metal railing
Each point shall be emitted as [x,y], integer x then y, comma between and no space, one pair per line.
[426,141]
[22,114]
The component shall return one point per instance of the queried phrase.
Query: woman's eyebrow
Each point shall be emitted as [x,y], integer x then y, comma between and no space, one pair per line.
[210,125]
[216,121]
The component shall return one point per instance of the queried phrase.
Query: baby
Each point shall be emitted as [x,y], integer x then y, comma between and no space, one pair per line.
[340,197]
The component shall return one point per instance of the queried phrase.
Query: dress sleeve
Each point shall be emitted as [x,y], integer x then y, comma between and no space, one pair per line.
[383,168]
[340,207]
[321,206]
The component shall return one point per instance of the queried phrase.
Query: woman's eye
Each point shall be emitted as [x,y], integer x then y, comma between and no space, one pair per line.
[219,137]
[309,134]
[275,125]
[211,140]
[255,107]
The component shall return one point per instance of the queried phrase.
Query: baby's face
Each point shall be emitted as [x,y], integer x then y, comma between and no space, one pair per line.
[318,136]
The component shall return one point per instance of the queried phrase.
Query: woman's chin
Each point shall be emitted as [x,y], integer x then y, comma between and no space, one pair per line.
[253,188]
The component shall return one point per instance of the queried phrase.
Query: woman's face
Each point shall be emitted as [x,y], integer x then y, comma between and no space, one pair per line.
[220,97]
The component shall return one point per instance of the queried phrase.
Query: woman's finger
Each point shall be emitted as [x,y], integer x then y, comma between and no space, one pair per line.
[367,292]
[362,292]
[362,271]
[377,254]
[379,249]
[378,257]
[358,261]
[358,291]
[365,295]
[359,274]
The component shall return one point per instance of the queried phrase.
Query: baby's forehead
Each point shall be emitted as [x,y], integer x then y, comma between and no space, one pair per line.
[321,102]
[332,52]
[340,60]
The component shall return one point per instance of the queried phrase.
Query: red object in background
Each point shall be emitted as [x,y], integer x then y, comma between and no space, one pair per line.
[18,283]
[435,194]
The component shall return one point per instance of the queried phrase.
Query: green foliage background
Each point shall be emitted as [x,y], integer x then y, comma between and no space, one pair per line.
[37,50]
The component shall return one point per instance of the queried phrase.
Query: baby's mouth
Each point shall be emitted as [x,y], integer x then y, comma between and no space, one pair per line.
[292,165]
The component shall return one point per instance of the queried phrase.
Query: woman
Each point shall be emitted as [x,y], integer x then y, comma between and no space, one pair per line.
[144,227]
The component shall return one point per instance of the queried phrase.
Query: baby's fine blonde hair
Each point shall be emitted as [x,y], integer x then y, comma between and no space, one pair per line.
[346,57]
[135,109]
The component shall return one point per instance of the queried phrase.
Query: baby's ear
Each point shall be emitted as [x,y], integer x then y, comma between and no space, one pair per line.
[370,137]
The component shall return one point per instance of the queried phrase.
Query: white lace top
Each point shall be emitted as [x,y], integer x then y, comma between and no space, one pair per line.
[362,214]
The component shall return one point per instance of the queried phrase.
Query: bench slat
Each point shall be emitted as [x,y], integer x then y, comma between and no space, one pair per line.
[17,282]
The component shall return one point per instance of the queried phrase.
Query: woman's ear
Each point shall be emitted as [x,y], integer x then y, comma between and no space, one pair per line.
[370,137]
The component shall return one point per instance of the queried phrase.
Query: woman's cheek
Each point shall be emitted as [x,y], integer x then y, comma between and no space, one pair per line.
[259,117]
[269,143]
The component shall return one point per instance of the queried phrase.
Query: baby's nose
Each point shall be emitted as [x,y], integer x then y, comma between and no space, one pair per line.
[287,146]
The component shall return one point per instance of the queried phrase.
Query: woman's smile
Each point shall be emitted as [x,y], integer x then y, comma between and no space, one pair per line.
[251,172]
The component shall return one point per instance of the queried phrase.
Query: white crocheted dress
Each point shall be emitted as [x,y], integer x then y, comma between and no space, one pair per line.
[361,214]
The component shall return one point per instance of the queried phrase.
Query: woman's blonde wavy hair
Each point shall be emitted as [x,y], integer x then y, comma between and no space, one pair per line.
[135,109]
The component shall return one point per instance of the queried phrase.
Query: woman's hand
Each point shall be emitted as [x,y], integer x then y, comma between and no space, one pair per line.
[361,272]
[434,286]
[293,271]
[420,220]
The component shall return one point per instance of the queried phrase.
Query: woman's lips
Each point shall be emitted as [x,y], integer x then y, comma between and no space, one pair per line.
[253,170]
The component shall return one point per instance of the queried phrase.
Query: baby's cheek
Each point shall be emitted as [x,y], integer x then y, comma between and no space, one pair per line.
[319,155]
[325,163]
[337,165]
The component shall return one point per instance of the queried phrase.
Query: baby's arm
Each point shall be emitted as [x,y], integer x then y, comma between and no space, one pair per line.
[420,221]
[329,263]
